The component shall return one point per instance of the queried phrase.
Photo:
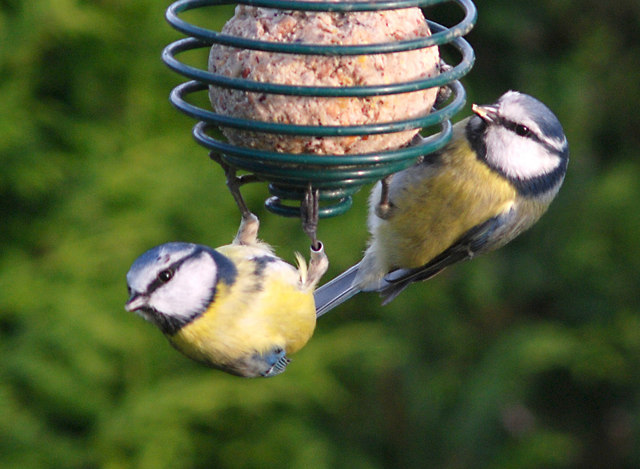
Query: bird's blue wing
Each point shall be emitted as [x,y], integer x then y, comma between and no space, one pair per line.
[275,360]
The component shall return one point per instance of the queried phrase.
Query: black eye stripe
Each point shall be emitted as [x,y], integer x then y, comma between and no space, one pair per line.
[519,129]
[530,134]
[161,278]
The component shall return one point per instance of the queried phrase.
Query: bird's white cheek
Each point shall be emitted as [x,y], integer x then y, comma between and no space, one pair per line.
[519,157]
[189,291]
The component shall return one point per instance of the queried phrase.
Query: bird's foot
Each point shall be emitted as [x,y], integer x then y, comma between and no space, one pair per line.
[383,209]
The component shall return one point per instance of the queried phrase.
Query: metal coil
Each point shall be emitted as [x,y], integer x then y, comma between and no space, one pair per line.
[337,177]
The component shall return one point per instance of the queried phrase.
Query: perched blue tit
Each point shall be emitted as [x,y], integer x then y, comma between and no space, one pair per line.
[493,180]
[237,308]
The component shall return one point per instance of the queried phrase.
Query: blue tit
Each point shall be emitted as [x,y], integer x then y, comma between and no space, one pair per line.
[493,180]
[237,308]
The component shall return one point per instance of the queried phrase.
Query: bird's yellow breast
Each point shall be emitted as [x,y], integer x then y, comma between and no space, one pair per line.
[265,307]
[431,212]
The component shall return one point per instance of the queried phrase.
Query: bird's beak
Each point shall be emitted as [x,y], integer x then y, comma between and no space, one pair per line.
[136,301]
[488,113]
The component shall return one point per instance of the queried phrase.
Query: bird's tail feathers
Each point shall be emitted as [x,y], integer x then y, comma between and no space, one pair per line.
[336,291]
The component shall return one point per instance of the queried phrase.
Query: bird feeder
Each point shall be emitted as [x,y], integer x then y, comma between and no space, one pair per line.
[337,176]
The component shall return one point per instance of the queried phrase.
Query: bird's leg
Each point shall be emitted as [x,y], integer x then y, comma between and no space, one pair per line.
[309,213]
[234,182]
[249,225]
[248,231]
[318,265]
[384,206]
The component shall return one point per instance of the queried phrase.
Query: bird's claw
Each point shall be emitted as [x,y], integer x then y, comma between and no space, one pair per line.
[444,92]
[248,230]
[234,182]
[384,206]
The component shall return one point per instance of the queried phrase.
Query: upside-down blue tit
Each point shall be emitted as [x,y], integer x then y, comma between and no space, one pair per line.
[237,308]
[493,180]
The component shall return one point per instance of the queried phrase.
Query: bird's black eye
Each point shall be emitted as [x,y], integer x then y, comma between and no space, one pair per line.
[522,130]
[165,275]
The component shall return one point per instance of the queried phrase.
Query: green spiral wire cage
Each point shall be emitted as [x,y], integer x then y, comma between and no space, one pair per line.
[337,177]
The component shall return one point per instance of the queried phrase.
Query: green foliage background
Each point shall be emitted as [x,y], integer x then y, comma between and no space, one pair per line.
[525,358]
